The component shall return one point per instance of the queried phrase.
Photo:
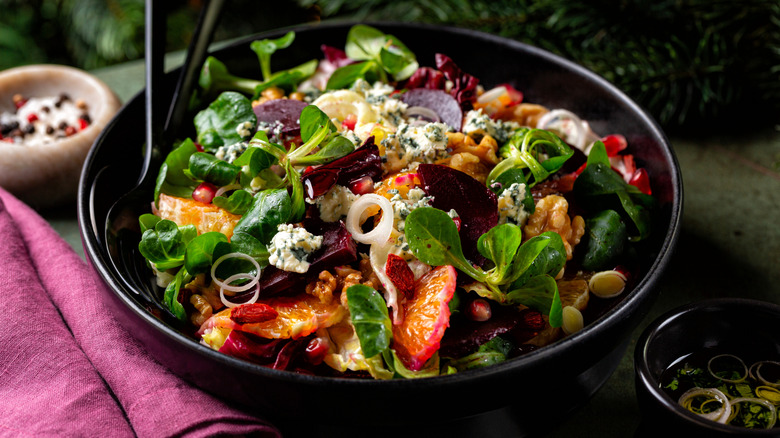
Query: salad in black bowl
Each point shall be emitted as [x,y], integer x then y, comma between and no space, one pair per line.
[375,217]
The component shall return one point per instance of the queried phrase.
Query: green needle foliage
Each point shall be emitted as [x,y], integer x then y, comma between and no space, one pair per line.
[689,62]
[686,61]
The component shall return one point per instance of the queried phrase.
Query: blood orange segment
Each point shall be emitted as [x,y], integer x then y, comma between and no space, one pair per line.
[205,217]
[297,316]
[426,317]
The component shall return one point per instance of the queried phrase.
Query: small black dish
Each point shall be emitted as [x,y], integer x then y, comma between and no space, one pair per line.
[742,327]
[563,375]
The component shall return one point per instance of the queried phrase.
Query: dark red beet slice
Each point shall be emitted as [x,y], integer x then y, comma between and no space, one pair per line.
[337,248]
[285,111]
[464,336]
[363,161]
[439,101]
[476,205]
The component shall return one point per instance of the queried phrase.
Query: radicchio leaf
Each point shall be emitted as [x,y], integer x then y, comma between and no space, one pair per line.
[426,77]
[335,56]
[252,348]
[464,85]
[364,161]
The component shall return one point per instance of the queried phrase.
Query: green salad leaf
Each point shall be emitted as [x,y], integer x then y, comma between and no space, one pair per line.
[216,125]
[207,167]
[520,269]
[166,243]
[382,55]
[538,152]
[173,178]
[599,187]
[368,311]
[265,48]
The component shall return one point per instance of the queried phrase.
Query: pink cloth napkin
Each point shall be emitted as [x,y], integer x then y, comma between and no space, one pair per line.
[68,368]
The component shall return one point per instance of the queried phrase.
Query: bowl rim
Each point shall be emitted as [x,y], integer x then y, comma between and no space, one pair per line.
[648,382]
[614,316]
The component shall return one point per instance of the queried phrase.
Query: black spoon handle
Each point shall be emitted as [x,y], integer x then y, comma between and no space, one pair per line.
[154,56]
[196,55]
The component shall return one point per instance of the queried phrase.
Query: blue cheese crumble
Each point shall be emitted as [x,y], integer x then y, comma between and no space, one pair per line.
[425,144]
[335,204]
[480,123]
[229,153]
[415,198]
[290,248]
[510,205]
[245,129]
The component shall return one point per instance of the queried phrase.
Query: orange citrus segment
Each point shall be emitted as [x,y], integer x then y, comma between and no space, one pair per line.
[402,182]
[426,316]
[205,217]
[298,316]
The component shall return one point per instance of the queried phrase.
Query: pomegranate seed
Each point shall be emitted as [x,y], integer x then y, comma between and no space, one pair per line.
[614,143]
[83,124]
[70,130]
[349,122]
[362,186]
[32,118]
[316,350]
[531,320]
[641,180]
[204,193]
[479,310]
[457,221]
[199,147]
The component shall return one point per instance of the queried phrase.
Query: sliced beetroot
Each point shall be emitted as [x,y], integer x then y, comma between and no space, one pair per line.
[439,101]
[363,161]
[285,111]
[475,204]
[337,248]
[464,336]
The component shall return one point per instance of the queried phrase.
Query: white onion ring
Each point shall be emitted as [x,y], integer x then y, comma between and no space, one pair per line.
[492,94]
[770,407]
[226,188]
[378,258]
[759,377]
[234,277]
[422,111]
[721,415]
[381,232]
[712,373]
[226,283]
[561,114]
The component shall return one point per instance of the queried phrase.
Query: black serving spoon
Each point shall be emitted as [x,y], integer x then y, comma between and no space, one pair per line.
[122,232]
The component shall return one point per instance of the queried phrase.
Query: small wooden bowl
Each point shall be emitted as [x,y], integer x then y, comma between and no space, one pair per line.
[47,175]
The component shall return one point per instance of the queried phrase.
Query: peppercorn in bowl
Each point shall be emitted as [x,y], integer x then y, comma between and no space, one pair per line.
[49,117]
[558,350]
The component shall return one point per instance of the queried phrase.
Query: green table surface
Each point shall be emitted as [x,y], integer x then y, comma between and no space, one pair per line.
[729,245]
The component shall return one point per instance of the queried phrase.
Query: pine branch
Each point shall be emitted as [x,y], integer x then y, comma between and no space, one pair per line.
[720,58]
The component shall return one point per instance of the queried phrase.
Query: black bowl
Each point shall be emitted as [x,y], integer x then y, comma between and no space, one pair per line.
[742,327]
[576,366]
